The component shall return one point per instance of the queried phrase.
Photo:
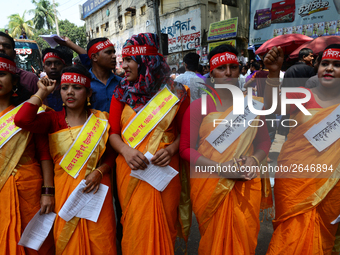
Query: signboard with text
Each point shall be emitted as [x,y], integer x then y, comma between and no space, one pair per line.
[184,31]
[215,44]
[223,29]
[92,6]
[314,18]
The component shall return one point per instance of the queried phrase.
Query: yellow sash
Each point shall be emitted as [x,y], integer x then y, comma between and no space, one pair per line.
[149,116]
[84,145]
[7,127]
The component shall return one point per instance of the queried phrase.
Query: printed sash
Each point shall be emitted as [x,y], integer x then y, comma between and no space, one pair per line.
[326,132]
[7,127]
[84,145]
[232,126]
[149,116]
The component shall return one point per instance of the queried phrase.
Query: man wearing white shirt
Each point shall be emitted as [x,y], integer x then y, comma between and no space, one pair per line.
[190,78]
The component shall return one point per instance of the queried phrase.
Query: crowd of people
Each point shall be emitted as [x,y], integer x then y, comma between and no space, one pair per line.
[49,125]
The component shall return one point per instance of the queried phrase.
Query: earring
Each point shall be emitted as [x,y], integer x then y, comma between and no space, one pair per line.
[88,101]
[212,80]
[14,92]
[63,104]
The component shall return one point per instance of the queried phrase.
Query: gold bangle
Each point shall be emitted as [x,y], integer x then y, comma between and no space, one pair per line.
[236,165]
[257,161]
[100,172]
[41,101]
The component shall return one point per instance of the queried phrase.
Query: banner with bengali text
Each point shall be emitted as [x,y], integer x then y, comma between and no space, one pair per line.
[149,116]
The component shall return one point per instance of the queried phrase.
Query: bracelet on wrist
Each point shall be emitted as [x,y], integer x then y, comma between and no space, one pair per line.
[41,101]
[257,161]
[101,173]
[47,190]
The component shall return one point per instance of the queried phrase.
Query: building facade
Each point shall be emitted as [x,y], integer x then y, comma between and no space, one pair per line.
[185,22]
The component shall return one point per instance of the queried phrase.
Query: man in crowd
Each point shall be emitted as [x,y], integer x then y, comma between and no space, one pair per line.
[103,59]
[300,72]
[23,35]
[28,79]
[190,78]
[54,60]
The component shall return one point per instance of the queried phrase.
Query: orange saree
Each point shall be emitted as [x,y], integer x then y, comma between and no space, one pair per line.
[81,236]
[305,207]
[20,190]
[149,216]
[227,210]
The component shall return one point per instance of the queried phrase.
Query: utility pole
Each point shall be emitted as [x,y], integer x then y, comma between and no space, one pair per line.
[55,18]
[157,23]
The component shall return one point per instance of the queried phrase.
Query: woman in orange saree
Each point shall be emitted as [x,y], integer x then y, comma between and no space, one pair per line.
[306,198]
[20,172]
[227,204]
[83,131]
[149,216]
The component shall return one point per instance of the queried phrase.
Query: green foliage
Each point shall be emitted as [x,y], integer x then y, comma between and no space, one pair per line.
[17,24]
[43,14]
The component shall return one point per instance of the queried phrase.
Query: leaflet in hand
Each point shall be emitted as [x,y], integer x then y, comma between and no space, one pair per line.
[50,39]
[37,230]
[84,205]
[158,177]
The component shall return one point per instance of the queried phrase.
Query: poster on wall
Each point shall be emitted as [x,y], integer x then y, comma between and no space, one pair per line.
[271,18]
[184,31]
[223,29]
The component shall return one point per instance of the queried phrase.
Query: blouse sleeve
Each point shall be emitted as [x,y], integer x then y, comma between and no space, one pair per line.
[181,112]
[28,119]
[189,132]
[116,110]
[42,147]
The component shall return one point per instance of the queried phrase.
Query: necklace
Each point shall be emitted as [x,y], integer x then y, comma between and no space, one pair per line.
[69,127]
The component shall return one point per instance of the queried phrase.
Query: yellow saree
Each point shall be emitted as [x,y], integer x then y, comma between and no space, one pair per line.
[20,190]
[227,211]
[81,236]
[149,216]
[305,207]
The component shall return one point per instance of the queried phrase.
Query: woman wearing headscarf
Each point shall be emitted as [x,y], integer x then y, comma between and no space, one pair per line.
[307,196]
[226,202]
[140,124]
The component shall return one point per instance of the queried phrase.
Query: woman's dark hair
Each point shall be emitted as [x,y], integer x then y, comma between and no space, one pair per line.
[333,46]
[79,69]
[20,90]
[222,48]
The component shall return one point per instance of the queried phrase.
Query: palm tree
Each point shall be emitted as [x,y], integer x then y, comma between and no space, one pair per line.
[17,24]
[43,14]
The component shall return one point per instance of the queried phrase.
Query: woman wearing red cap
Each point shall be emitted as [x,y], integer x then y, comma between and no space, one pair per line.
[77,139]
[226,197]
[20,173]
[139,103]
[307,197]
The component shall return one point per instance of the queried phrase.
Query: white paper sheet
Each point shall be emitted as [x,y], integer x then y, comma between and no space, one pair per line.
[75,202]
[93,208]
[336,220]
[157,177]
[50,39]
[37,230]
